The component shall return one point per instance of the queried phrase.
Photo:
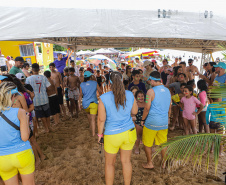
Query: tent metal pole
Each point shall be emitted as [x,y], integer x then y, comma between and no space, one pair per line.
[75,51]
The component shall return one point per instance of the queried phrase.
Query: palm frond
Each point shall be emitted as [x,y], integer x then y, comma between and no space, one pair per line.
[183,148]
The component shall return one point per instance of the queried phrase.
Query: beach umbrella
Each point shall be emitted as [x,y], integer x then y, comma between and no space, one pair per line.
[96,59]
[139,52]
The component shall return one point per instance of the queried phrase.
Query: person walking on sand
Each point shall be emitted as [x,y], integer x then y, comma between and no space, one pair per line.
[40,83]
[155,117]
[15,149]
[88,91]
[56,77]
[114,112]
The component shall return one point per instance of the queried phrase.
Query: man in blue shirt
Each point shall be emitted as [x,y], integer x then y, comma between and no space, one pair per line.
[60,63]
[221,77]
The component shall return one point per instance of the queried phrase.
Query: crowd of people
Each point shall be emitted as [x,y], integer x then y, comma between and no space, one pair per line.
[133,105]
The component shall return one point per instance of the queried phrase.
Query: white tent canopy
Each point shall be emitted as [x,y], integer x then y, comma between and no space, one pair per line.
[105,51]
[191,25]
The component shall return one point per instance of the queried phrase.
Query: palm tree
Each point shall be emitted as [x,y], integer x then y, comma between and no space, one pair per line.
[183,148]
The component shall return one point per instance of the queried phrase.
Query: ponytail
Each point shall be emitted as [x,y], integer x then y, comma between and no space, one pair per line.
[118,89]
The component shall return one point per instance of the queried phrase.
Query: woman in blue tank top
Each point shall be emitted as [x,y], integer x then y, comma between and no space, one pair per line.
[15,150]
[88,97]
[114,112]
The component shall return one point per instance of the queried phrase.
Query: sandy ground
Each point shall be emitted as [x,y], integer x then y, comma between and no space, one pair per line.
[74,158]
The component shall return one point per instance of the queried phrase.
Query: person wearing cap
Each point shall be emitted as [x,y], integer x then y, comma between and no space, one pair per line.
[16,153]
[221,75]
[19,61]
[155,117]
[114,113]
[193,70]
[10,62]
[175,63]
[88,97]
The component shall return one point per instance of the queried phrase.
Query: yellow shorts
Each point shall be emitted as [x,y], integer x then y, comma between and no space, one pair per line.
[124,141]
[24,162]
[92,109]
[149,136]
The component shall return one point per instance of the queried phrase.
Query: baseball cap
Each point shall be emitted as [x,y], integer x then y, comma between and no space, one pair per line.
[221,65]
[146,63]
[170,69]
[136,57]
[87,74]
[19,59]
[122,60]
[20,76]
[190,60]
[8,57]
[3,77]
[15,91]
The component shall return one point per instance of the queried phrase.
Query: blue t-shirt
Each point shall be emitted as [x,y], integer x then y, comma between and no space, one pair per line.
[39,83]
[117,121]
[212,113]
[89,90]
[157,118]
[10,138]
[60,64]
[141,86]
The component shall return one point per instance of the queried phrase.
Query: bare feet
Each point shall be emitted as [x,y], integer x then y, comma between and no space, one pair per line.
[171,128]
[221,155]
[148,166]
[43,157]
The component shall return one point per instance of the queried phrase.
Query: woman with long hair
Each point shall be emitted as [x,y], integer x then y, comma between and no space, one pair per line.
[210,75]
[15,150]
[114,112]
[202,97]
[127,76]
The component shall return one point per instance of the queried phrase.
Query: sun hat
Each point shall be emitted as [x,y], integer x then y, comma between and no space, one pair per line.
[221,65]
[87,74]
[20,76]
[146,63]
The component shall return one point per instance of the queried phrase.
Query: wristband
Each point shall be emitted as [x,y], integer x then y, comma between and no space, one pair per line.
[142,120]
[100,135]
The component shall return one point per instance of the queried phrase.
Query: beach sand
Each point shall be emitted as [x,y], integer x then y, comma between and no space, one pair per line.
[74,158]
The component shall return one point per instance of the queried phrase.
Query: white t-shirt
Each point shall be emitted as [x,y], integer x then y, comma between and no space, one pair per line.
[12,62]
[2,61]
[39,83]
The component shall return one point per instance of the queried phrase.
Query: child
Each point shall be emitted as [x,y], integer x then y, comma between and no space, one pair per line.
[189,103]
[213,119]
[202,97]
[140,97]
[66,75]
[53,99]
[134,89]
[136,81]
[176,100]
[73,84]
[100,80]
[41,102]
[81,75]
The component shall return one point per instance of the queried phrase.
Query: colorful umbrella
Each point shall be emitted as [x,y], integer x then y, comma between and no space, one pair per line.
[96,59]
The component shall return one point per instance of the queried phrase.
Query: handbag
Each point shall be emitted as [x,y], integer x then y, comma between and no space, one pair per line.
[9,122]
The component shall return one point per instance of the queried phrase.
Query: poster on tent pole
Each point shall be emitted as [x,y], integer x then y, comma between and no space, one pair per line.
[47,54]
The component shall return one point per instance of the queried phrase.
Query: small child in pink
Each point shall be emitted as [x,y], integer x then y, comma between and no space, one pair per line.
[189,103]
